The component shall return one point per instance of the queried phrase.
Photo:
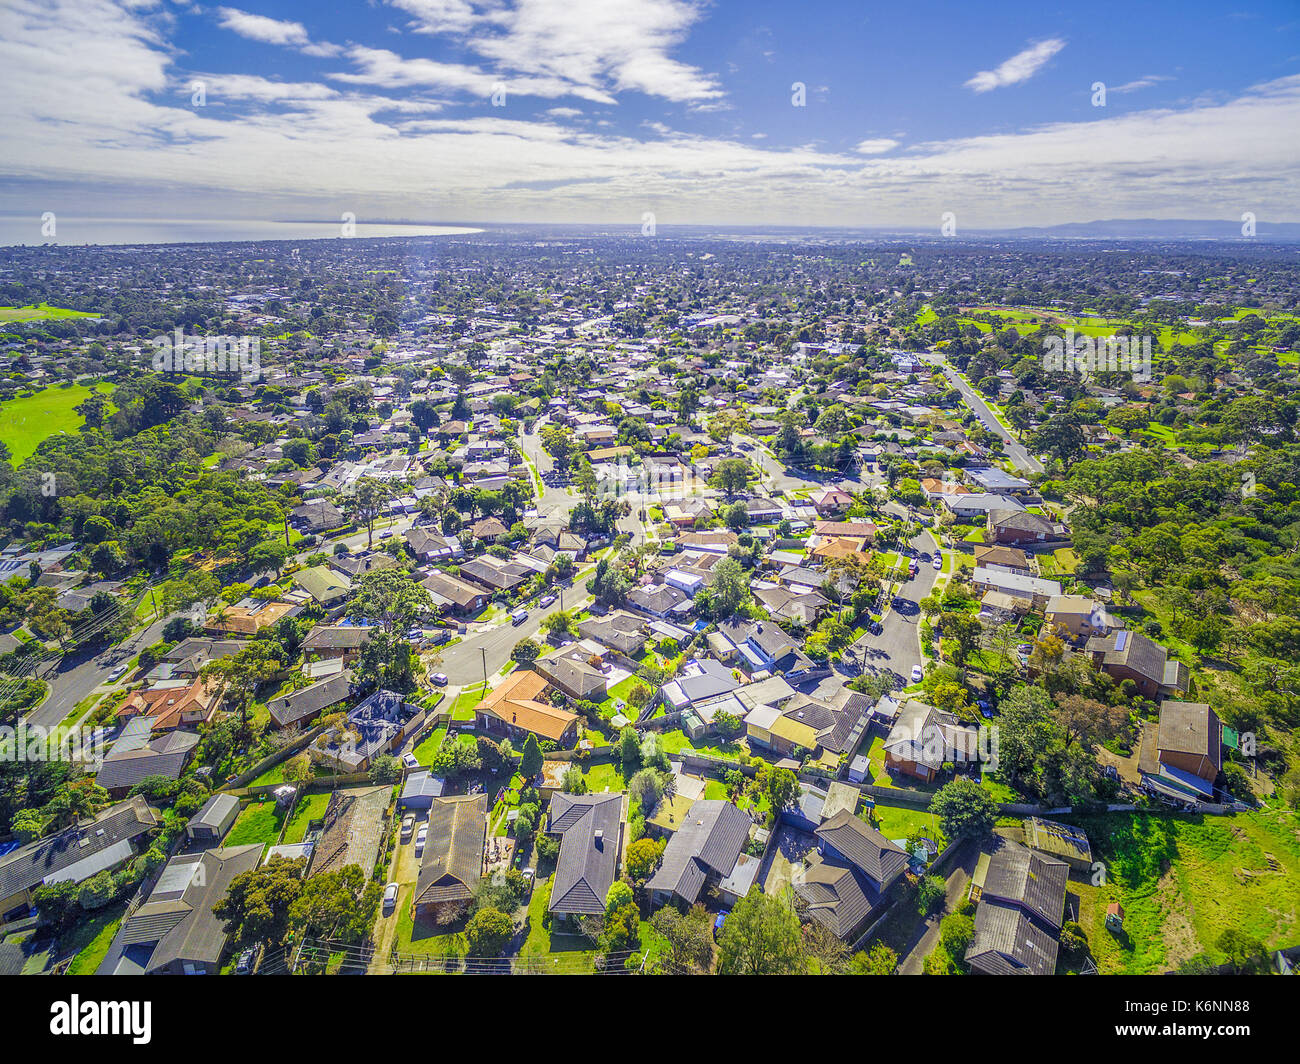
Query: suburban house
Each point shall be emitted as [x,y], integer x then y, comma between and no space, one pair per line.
[304,705]
[1182,754]
[760,646]
[924,738]
[336,641]
[788,604]
[659,600]
[847,883]
[452,593]
[1000,556]
[1061,841]
[978,504]
[1126,655]
[1037,589]
[590,828]
[1080,616]
[1015,527]
[703,852]
[174,704]
[1021,899]
[327,586]
[353,829]
[620,630]
[374,726]
[452,864]
[175,932]
[831,501]
[575,670]
[104,843]
[164,755]
[514,708]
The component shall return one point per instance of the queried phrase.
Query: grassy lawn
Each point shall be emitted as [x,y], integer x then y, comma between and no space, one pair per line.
[430,745]
[564,950]
[1184,880]
[469,697]
[898,821]
[606,776]
[91,938]
[310,807]
[422,936]
[25,422]
[40,311]
[676,741]
[257,822]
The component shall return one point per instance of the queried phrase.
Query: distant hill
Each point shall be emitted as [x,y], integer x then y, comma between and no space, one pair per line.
[1153,229]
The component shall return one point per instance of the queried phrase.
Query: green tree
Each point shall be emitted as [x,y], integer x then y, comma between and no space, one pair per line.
[964,808]
[761,937]
[530,762]
[487,932]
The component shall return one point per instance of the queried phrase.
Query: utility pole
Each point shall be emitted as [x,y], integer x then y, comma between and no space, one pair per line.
[483,651]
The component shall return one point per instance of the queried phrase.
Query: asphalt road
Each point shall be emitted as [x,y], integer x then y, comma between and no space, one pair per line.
[463,663]
[1021,458]
[80,674]
[898,647]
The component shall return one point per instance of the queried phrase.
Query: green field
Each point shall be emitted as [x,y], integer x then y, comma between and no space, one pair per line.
[257,822]
[39,311]
[25,422]
[1184,880]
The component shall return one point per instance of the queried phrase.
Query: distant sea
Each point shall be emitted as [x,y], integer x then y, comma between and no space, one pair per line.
[70,231]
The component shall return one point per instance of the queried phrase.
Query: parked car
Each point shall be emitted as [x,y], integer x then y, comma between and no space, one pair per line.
[118,672]
[410,761]
[519,616]
[439,679]
[408,824]
[439,636]
[530,879]
[918,674]
[244,966]
[938,560]
[545,601]
[390,897]
[420,836]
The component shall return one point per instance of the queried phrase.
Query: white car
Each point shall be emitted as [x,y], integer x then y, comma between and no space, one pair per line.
[390,897]
[545,601]
[410,760]
[439,679]
[117,673]
[938,560]
[408,825]
[918,674]
[420,836]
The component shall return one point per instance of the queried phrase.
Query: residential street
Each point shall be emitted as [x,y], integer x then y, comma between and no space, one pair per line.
[1020,457]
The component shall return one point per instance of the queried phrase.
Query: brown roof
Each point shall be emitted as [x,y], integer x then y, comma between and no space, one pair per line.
[453,849]
[1189,728]
[515,701]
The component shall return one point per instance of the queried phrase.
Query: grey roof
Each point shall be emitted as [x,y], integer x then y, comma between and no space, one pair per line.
[1029,880]
[863,846]
[452,863]
[215,812]
[710,839]
[164,756]
[177,919]
[299,705]
[838,896]
[1132,650]
[1008,942]
[584,871]
[30,865]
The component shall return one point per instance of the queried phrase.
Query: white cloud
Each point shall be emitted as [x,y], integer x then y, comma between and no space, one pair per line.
[876,147]
[273,31]
[103,116]
[1142,83]
[1020,67]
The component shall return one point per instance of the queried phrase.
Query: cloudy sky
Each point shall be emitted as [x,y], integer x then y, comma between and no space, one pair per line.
[843,112]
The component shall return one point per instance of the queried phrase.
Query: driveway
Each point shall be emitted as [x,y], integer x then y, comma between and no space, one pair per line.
[925,936]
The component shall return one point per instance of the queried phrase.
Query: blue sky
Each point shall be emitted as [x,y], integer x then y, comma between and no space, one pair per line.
[607,109]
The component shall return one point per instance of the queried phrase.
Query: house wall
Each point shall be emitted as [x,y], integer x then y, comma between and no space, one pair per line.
[1197,764]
